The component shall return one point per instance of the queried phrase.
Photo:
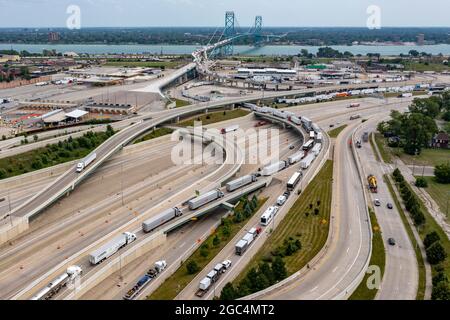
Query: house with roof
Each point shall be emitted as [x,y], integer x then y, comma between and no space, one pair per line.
[440,140]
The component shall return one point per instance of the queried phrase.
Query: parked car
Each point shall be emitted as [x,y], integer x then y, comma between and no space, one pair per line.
[377,202]
[391,241]
[291,147]
[389,206]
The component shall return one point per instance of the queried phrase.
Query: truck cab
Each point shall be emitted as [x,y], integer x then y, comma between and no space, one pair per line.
[80,166]
[130,237]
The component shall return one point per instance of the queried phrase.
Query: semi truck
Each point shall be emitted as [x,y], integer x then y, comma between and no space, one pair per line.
[319,137]
[240,182]
[268,215]
[316,149]
[57,284]
[212,277]
[86,161]
[143,281]
[295,120]
[243,244]
[296,157]
[312,134]
[199,201]
[163,217]
[111,247]
[229,129]
[306,123]
[372,182]
[306,162]
[273,168]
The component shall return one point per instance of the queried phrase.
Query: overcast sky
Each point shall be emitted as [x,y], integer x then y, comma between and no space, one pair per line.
[138,13]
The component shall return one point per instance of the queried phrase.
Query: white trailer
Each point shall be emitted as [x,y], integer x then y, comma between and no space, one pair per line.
[319,137]
[280,114]
[229,129]
[245,242]
[111,247]
[240,182]
[53,287]
[296,157]
[204,199]
[295,120]
[273,168]
[86,161]
[163,217]
[312,134]
[281,200]
[316,149]
[306,162]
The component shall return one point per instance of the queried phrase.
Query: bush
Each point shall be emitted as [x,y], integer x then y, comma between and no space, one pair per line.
[192,267]
[431,238]
[442,173]
[436,253]
[421,183]
[216,241]
[441,292]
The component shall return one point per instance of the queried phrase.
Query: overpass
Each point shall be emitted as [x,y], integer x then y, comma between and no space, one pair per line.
[69,180]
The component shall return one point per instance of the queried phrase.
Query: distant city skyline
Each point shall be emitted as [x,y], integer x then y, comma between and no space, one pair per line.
[202,13]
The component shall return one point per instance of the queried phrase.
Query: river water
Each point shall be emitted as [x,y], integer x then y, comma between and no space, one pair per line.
[247,50]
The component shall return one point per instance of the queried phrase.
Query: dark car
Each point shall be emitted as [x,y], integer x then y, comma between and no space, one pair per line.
[389,206]
[391,241]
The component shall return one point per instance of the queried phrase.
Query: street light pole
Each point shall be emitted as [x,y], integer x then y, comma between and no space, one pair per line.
[121,181]
[9,205]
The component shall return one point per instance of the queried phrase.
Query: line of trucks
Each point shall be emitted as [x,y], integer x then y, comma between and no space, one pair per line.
[151,274]
[212,277]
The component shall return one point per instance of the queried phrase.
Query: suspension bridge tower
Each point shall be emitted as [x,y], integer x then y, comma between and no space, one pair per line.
[229,32]
[258,38]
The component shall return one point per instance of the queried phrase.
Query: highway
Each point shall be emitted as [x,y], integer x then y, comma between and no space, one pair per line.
[400,281]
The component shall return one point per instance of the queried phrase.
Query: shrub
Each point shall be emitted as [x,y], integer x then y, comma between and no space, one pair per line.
[192,267]
[436,253]
[431,238]
[421,183]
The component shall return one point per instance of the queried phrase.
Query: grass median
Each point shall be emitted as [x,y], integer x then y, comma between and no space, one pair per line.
[53,154]
[440,192]
[307,221]
[203,255]
[214,117]
[154,134]
[335,132]
[378,258]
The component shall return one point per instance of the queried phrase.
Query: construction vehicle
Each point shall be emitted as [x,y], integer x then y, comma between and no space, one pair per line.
[372,180]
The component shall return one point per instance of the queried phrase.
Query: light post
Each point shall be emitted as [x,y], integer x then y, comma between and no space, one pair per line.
[121,181]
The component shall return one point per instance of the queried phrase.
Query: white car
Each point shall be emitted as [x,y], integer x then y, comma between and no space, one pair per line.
[226,264]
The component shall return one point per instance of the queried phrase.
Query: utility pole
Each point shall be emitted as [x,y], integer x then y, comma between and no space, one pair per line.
[9,205]
[121,181]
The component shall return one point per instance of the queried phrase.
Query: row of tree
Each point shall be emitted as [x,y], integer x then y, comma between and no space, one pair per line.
[435,251]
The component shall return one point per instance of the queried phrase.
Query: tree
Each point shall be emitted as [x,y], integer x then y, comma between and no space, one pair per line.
[442,173]
[204,252]
[228,292]
[414,53]
[216,241]
[436,253]
[2,173]
[431,238]
[279,269]
[255,202]
[192,267]
[421,182]
[441,291]
[238,217]
[265,269]
[428,107]
[439,277]
[35,138]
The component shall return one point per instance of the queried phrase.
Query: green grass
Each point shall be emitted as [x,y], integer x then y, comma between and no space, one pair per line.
[428,157]
[378,258]
[143,64]
[336,131]
[181,103]
[374,148]
[173,285]
[440,193]
[155,134]
[420,260]
[417,66]
[51,155]
[311,230]
[385,150]
[214,117]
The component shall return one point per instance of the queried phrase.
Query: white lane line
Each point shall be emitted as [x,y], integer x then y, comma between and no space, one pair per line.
[334,270]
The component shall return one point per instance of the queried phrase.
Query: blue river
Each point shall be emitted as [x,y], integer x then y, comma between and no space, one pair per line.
[244,50]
